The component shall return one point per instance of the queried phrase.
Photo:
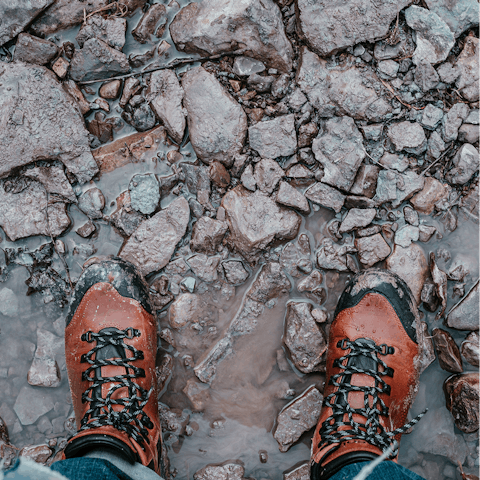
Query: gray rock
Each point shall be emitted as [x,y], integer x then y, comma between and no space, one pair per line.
[431,117]
[166,96]
[325,89]
[91,203]
[426,76]
[17,14]
[31,404]
[97,60]
[295,257]
[235,272]
[372,249]
[259,83]
[340,150]
[408,183]
[372,132]
[468,134]
[207,235]
[280,86]
[303,338]
[468,68]
[30,49]
[216,122]
[245,66]
[215,26]
[471,349]
[386,187]
[110,30]
[248,179]
[291,197]
[426,232]
[256,221]
[434,38]
[408,136]
[230,470]
[459,15]
[452,121]
[267,175]
[52,177]
[411,216]
[151,246]
[143,118]
[447,72]
[389,68]
[8,303]
[44,371]
[465,164]
[394,161]
[473,117]
[411,266]
[357,218]
[325,196]
[365,182]
[274,138]
[329,27]
[406,235]
[29,212]
[464,315]
[332,256]
[45,122]
[152,23]
[144,193]
[436,145]
[312,284]
[204,267]
[297,417]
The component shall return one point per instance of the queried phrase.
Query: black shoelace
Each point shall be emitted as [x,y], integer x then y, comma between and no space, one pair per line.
[131,419]
[363,358]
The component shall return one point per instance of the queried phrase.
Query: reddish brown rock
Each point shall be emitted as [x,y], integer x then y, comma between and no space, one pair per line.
[219,175]
[151,24]
[471,349]
[462,395]
[432,192]
[291,197]
[37,453]
[36,50]
[134,148]
[447,351]
[464,315]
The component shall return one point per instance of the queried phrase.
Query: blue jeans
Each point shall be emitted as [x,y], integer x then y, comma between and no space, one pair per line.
[88,468]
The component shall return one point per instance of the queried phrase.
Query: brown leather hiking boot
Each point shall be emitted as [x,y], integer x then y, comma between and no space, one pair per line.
[373,362]
[110,348]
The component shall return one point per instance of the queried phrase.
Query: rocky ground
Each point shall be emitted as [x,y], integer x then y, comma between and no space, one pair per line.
[249,158]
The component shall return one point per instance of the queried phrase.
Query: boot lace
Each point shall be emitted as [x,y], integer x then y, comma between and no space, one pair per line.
[131,419]
[336,429]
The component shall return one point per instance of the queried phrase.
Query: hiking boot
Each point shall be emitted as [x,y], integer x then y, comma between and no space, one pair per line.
[110,349]
[372,372]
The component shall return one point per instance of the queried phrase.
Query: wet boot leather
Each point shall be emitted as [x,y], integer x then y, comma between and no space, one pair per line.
[110,348]
[372,372]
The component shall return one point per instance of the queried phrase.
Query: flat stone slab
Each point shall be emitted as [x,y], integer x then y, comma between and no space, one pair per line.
[216,26]
[39,120]
[329,26]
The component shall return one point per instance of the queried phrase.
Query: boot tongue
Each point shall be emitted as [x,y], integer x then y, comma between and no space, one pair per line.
[110,352]
[364,362]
